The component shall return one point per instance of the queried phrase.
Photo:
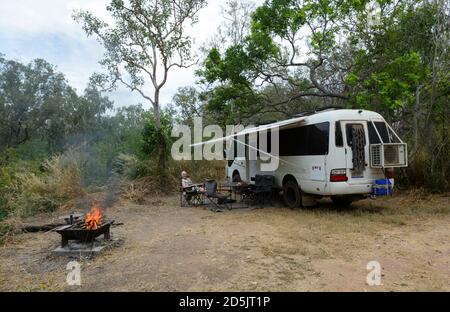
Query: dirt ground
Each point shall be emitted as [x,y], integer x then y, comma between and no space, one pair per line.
[325,248]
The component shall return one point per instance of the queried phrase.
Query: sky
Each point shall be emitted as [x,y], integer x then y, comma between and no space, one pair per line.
[45,29]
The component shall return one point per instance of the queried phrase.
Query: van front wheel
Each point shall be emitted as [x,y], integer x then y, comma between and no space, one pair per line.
[292,194]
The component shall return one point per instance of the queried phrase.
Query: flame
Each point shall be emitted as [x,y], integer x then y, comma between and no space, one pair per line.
[94,217]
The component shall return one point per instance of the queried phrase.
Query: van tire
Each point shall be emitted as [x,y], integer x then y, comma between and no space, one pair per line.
[292,194]
[342,200]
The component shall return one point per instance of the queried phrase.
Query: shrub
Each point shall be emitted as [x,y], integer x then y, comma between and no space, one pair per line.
[59,183]
[145,175]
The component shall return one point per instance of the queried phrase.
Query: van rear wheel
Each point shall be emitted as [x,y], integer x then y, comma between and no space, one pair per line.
[292,194]
[236,177]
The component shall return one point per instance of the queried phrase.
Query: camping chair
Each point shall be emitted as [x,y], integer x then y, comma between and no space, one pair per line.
[190,196]
[261,190]
[217,199]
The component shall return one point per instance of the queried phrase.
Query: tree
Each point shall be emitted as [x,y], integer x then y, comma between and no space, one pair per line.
[400,68]
[35,101]
[147,39]
[187,100]
[234,29]
[387,56]
[39,108]
[237,15]
[292,43]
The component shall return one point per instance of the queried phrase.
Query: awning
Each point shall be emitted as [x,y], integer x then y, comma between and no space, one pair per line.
[279,124]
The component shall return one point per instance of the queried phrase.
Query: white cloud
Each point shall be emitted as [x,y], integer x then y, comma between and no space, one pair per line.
[45,29]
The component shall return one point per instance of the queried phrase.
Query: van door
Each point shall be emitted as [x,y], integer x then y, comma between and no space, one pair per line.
[357,151]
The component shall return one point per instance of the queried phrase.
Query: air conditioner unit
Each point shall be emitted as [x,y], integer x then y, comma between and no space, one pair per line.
[388,155]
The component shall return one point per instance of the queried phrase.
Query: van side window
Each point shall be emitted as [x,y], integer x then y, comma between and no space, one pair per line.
[338,134]
[268,148]
[318,138]
[306,140]
[239,146]
[293,141]
[382,130]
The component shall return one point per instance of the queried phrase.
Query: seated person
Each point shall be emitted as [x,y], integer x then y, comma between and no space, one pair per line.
[186,183]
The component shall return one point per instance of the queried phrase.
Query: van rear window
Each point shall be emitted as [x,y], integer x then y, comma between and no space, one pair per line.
[349,133]
[382,130]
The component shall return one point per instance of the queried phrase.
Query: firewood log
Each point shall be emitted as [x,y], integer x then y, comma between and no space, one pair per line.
[41,228]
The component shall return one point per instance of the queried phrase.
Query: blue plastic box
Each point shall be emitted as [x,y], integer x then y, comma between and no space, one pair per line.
[382,187]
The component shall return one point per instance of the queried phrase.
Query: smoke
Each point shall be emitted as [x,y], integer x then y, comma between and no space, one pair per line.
[94,158]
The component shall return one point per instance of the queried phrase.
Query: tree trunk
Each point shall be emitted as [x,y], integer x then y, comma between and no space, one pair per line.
[416,118]
[161,141]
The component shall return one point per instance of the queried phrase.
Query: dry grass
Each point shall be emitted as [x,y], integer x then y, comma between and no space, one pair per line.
[168,248]
[60,184]
[199,171]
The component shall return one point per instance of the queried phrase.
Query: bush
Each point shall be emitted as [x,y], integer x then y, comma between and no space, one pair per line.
[146,179]
[425,171]
[58,184]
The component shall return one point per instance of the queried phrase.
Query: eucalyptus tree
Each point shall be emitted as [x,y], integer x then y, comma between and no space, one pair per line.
[143,42]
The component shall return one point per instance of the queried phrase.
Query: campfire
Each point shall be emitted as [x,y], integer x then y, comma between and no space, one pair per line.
[94,217]
[88,229]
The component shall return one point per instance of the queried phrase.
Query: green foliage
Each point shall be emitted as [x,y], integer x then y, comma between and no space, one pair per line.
[270,55]
[6,180]
[392,87]
[277,17]
[393,60]
[144,33]
[187,101]
[154,137]
[143,43]
[37,123]
[38,108]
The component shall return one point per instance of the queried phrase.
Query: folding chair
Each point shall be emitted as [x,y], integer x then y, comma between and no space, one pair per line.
[217,199]
[261,190]
[190,196]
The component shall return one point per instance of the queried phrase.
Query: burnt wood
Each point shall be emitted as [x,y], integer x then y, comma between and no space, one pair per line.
[39,228]
[76,232]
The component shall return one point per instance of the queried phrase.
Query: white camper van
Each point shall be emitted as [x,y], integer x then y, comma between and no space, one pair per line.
[336,153]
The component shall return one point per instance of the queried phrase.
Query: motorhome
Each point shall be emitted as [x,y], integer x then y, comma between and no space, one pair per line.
[338,153]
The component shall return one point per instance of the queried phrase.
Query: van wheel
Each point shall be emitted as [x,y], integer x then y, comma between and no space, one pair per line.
[236,177]
[342,200]
[292,194]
